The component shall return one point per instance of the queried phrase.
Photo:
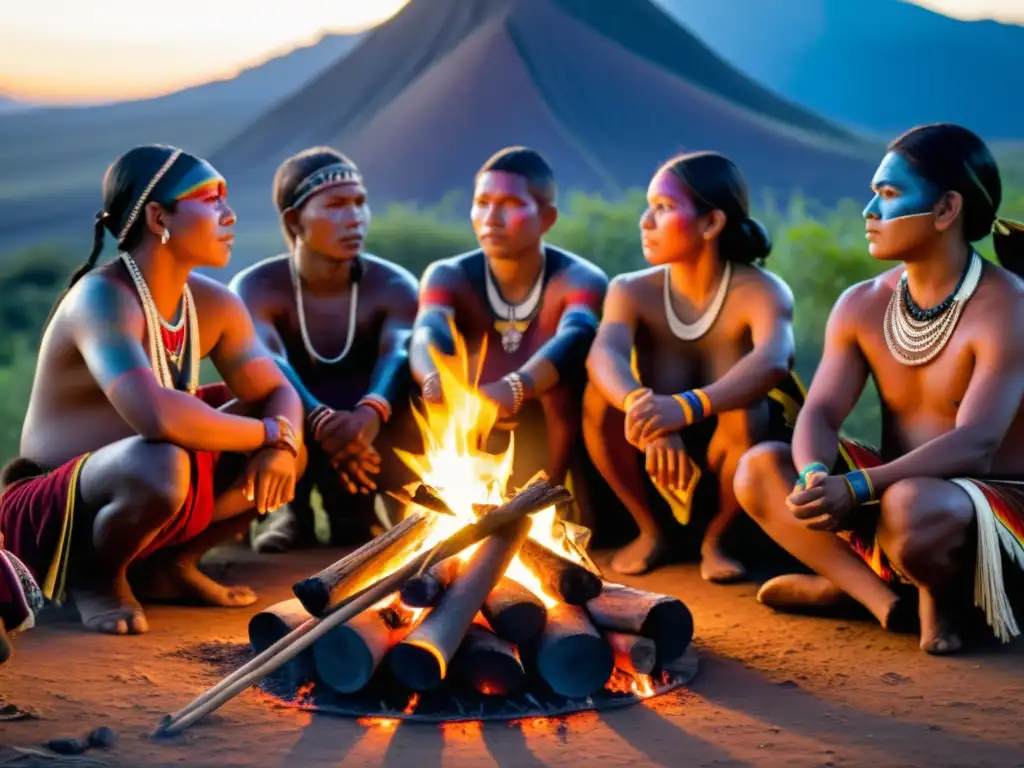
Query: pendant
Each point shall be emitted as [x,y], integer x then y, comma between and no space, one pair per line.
[511,333]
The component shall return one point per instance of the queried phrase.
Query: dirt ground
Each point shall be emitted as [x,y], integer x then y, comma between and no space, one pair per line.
[772,690]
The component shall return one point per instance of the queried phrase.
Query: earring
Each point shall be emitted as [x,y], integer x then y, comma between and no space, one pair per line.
[165,236]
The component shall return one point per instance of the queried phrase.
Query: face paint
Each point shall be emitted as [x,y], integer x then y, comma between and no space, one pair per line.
[202,180]
[900,191]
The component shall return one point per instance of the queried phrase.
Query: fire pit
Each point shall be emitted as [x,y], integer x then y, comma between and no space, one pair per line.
[520,623]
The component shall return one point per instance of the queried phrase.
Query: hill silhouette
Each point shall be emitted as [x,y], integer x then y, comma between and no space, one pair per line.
[879,65]
[605,93]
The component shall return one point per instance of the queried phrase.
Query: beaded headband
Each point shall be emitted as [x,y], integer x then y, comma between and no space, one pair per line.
[329,176]
[145,194]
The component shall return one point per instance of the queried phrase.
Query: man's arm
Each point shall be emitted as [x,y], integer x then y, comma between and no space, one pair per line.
[987,411]
[248,368]
[107,325]
[761,369]
[439,289]
[390,379]
[835,389]
[577,327]
[247,287]
[609,362]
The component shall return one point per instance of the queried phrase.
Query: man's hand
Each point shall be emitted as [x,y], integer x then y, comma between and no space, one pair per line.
[354,471]
[667,462]
[502,395]
[650,416]
[825,505]
[343,434]
[270,479]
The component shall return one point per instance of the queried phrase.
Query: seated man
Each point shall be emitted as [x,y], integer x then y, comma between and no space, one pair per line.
[338,322]
[686,356]
[532,305]
[942,335]
[125,459]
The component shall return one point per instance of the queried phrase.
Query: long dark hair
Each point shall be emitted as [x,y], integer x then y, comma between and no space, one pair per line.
[127,188]
[715,183]
[957,160]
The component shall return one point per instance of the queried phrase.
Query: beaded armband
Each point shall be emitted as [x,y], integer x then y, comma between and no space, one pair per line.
[695,404]
[280,434]
[860,487]
[379,404]
[515,381]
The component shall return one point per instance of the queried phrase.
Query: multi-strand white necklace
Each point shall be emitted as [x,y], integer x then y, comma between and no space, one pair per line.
[158,353]
[300,308]
[513,314]
[693,331]
[915,341]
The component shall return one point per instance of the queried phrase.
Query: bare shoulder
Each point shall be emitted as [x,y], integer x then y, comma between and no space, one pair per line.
[637,288]
[584,272]
[761,287]
[269,276]
[448,273]
[388,276]
[998,304]
[214,299]
[101,295]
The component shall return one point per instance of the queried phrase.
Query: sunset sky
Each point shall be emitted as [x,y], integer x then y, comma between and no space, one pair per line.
[77,51]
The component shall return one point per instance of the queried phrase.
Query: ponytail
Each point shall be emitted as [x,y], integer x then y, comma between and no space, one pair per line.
[98,234]
[1008,239]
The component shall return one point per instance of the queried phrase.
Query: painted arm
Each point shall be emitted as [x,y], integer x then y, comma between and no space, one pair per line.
[760,370]
[391,378]
[108,325]
[568,348]
[987,411]
[437,307]
[835,389]
[609,363]
[256,301]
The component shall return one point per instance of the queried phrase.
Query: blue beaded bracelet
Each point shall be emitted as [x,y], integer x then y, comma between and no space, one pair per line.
[860,486]
[810,469]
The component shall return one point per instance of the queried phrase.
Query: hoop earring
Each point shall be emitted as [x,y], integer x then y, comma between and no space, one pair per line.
[165,236]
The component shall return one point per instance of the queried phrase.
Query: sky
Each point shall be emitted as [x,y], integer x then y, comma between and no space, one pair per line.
[75,51]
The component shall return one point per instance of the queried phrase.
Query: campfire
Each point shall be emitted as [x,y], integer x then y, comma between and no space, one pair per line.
[519,622]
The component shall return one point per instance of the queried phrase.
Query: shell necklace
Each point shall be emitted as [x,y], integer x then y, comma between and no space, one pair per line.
[918,340]
[157,350]
[693,331]
[515,318]
[300,307]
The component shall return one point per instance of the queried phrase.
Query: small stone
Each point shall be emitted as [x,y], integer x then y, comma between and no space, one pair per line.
[102,737]
[67,746]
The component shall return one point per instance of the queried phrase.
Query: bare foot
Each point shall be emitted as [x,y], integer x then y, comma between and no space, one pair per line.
[797,592]
[718,568]
[112,610]
[182,582]
[938,637]
[638,556]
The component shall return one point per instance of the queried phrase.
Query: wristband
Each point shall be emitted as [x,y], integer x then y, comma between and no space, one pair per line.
[695,404]
[379,404]
[518,392]
[811,469]
[627,401]
[861,489]
[279,434]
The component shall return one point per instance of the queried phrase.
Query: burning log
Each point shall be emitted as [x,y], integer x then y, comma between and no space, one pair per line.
[633,654]
[572,656]
[514,612]
[421,660]
[348,655]
[423,590]
[351,573]
[561,577]
[664,619]
[530,500]
[487,663]
[270,625]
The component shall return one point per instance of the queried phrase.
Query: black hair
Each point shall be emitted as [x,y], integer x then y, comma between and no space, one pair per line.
[716,184]
[957,160]
[530,165]
[125,181]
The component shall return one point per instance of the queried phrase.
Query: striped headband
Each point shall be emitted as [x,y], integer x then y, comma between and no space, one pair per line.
[146,193]
[328,176]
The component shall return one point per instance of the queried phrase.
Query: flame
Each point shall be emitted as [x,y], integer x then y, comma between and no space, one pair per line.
[465,476]
[410,706]
[641,686]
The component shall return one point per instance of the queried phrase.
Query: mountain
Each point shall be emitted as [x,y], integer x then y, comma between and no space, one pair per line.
[606,92]
[877,65]
[9,104]
[62,152]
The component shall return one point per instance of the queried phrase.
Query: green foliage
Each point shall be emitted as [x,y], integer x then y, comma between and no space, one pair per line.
[818,253]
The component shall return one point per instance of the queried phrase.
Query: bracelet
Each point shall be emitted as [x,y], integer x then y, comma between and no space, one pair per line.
[861,489]
[627,401]
[811,469]
[695,403]
[279,433]
[430,380]
[378,403]
[518,391]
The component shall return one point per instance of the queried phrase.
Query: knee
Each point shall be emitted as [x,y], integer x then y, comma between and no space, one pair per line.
[920,522]
[757,472]
[160,484]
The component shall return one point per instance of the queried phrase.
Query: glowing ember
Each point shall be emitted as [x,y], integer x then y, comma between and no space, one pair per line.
[641,686]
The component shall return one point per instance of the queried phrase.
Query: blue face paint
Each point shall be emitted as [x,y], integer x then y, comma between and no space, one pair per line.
[900,191]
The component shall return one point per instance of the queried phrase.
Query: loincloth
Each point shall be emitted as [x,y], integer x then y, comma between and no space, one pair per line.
[37,514]
[999,514]
[785,402]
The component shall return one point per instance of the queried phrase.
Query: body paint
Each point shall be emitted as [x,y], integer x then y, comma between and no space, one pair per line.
[202,180]
[914,194]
